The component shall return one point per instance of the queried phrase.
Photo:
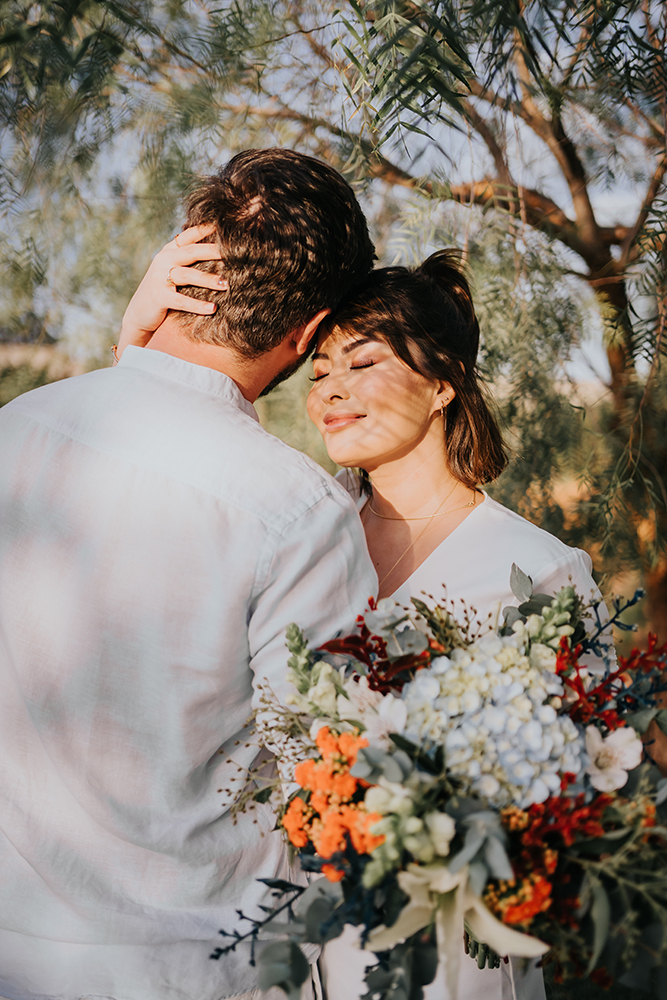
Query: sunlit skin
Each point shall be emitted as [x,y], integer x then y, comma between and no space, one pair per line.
[376,413]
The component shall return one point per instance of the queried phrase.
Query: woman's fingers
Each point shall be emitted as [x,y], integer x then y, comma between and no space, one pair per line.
[187,304]
[157,292]
[193,235]
[191,253]
[200,279]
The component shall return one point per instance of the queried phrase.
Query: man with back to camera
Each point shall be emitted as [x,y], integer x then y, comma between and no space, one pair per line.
[147,575]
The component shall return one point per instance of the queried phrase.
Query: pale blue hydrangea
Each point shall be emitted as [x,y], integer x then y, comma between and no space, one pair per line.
[494,708]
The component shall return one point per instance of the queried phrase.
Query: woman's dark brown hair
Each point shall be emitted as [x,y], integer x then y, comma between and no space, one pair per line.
[427,317]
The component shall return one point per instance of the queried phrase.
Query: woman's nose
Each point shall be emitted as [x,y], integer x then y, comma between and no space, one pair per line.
[336,390]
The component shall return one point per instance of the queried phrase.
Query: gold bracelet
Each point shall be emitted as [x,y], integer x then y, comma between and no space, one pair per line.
[116,359]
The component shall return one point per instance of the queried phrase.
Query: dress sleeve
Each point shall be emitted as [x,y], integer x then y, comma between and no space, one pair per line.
[351,483]
[576,569]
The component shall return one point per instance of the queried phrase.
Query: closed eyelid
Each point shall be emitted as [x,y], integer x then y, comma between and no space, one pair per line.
[322,356]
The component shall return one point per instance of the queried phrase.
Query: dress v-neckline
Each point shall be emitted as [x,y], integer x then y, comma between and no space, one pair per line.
[439,546]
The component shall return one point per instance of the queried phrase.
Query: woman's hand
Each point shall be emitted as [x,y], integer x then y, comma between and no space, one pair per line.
[157,292]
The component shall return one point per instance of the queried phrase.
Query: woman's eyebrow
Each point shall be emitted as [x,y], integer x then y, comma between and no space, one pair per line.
[359,343]
[321,356]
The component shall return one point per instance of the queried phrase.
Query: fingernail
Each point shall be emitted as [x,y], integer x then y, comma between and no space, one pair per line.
[223,283]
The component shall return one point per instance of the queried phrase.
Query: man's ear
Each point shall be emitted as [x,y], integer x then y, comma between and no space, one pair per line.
[303,337]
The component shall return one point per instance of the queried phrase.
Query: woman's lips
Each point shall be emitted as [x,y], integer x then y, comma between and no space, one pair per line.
[336,421]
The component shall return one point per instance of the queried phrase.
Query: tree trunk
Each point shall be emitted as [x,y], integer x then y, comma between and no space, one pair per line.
[611,292]
[655,581]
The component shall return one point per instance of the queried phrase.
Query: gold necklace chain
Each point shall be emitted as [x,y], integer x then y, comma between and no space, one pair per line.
[427,517]
[403,554]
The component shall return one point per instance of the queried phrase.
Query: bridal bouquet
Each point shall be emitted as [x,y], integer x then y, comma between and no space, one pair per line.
[443,777]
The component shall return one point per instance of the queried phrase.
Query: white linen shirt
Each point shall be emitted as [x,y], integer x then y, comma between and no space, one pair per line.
[155,542]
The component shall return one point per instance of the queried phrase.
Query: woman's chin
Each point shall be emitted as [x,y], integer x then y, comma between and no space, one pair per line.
[344,458]
[344,463]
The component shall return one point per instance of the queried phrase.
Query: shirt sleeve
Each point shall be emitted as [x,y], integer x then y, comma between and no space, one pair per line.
[320,577]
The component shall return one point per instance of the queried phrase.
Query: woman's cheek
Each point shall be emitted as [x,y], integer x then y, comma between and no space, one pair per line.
[315,409]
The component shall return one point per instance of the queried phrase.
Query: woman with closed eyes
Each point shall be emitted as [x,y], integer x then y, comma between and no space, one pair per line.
[397,398]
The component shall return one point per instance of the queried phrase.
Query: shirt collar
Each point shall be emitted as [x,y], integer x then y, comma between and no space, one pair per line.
[196,377]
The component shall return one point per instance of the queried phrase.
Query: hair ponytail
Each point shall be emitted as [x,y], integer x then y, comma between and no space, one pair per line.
[445,269]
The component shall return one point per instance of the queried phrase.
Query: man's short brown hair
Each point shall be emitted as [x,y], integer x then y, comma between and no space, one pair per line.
[293,241]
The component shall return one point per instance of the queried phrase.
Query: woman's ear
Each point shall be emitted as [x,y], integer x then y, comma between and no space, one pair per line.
[445,395]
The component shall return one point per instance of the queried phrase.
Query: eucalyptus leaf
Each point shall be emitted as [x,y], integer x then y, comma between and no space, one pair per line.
[373,763]
[392,771]
[321,888]
[318,914]
[535,605]
[641,720]
[282,964]
[408,642]
[521,584]
[511,615]
[544,600]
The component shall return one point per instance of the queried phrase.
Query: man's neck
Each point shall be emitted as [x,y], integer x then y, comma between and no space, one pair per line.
[251,375]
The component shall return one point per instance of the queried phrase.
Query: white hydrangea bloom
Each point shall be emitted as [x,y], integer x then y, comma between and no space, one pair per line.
[491,706]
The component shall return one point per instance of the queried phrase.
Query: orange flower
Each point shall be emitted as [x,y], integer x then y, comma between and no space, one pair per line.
[343,785]
[304,773]
[515,818]
[550,860]
[294,820]
[320,802]
[358,824]
[331,816]
[332,873]
[314,775]
[328,835]
[528,898]
[326,742]
[350,745]
[649,815]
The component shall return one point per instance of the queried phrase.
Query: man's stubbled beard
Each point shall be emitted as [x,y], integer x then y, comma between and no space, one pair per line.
[284,375]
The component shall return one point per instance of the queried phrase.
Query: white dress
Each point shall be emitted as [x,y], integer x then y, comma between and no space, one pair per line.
[474,564]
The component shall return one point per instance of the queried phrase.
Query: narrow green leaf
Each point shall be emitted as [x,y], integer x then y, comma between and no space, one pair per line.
[600,913]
